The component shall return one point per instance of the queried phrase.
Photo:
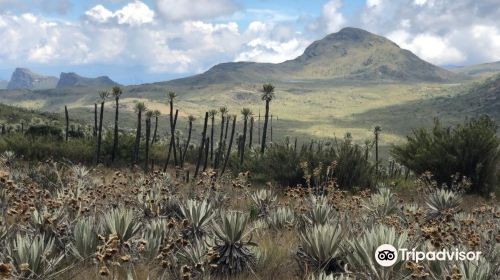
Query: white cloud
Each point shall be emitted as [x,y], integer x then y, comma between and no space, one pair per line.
[181,10]
[331,19]
[374,3]
[271,51]
[442,32]
[134,14]
[429,47]
[99,14]
[271,42]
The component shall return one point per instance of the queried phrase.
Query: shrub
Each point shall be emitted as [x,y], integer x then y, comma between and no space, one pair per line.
[310,164]
[44,130]
[352,168]
[471,149]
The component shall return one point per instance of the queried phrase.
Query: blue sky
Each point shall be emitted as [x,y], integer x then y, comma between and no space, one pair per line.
[137,41]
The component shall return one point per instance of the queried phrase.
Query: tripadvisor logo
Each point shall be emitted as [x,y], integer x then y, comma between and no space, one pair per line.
[387,255]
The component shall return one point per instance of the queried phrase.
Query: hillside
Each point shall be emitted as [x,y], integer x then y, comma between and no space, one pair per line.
[74,80]
[350,54]
[23,78]
[452,106]
[15,115]
[3,84]
[485,69]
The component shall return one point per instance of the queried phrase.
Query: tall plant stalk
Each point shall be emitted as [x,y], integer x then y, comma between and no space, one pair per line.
[230,145]
[200,150]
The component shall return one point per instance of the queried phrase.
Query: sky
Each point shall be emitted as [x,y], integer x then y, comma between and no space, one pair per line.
[140,41]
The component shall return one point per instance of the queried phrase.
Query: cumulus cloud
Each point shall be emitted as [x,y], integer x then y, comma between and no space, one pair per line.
[134,35]
[99,14]
[271,42]
[181,10]
[331,19]
[442,32]
[134,14]
[428,47]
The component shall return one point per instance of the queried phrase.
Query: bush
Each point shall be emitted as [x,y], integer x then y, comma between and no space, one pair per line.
[44,147]
[79,150]
[288,166]
[471,149]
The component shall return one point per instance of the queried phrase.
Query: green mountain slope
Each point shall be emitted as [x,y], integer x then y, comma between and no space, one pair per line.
[485,69]
[455,104]
[350,54]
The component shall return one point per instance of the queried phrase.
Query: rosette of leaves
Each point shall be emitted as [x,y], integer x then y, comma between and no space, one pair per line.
[84,243]
[121,222]
[197,215]
[442,202]
[153,236]
[281,218]
[194,257]
[321,248]
[382,204]
[263,200]
[360,253]
[231,252]
[319,213]
[34,257]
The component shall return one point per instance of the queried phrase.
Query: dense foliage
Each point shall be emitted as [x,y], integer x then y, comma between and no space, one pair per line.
[471,149]
[311,164]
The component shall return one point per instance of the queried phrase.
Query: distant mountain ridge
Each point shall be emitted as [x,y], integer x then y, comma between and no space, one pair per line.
[23,78]
[350,54]
[72,79]
[484,69]
[3,84]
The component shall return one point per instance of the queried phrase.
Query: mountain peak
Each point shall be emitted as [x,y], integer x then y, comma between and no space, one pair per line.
[71,79]
[24,78]
[350,54]
[354,53]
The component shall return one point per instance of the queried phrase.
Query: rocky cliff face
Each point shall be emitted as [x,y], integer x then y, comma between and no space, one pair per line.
[23,78]
[72,79]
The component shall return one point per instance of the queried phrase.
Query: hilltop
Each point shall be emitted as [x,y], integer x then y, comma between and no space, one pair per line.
[350,54]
